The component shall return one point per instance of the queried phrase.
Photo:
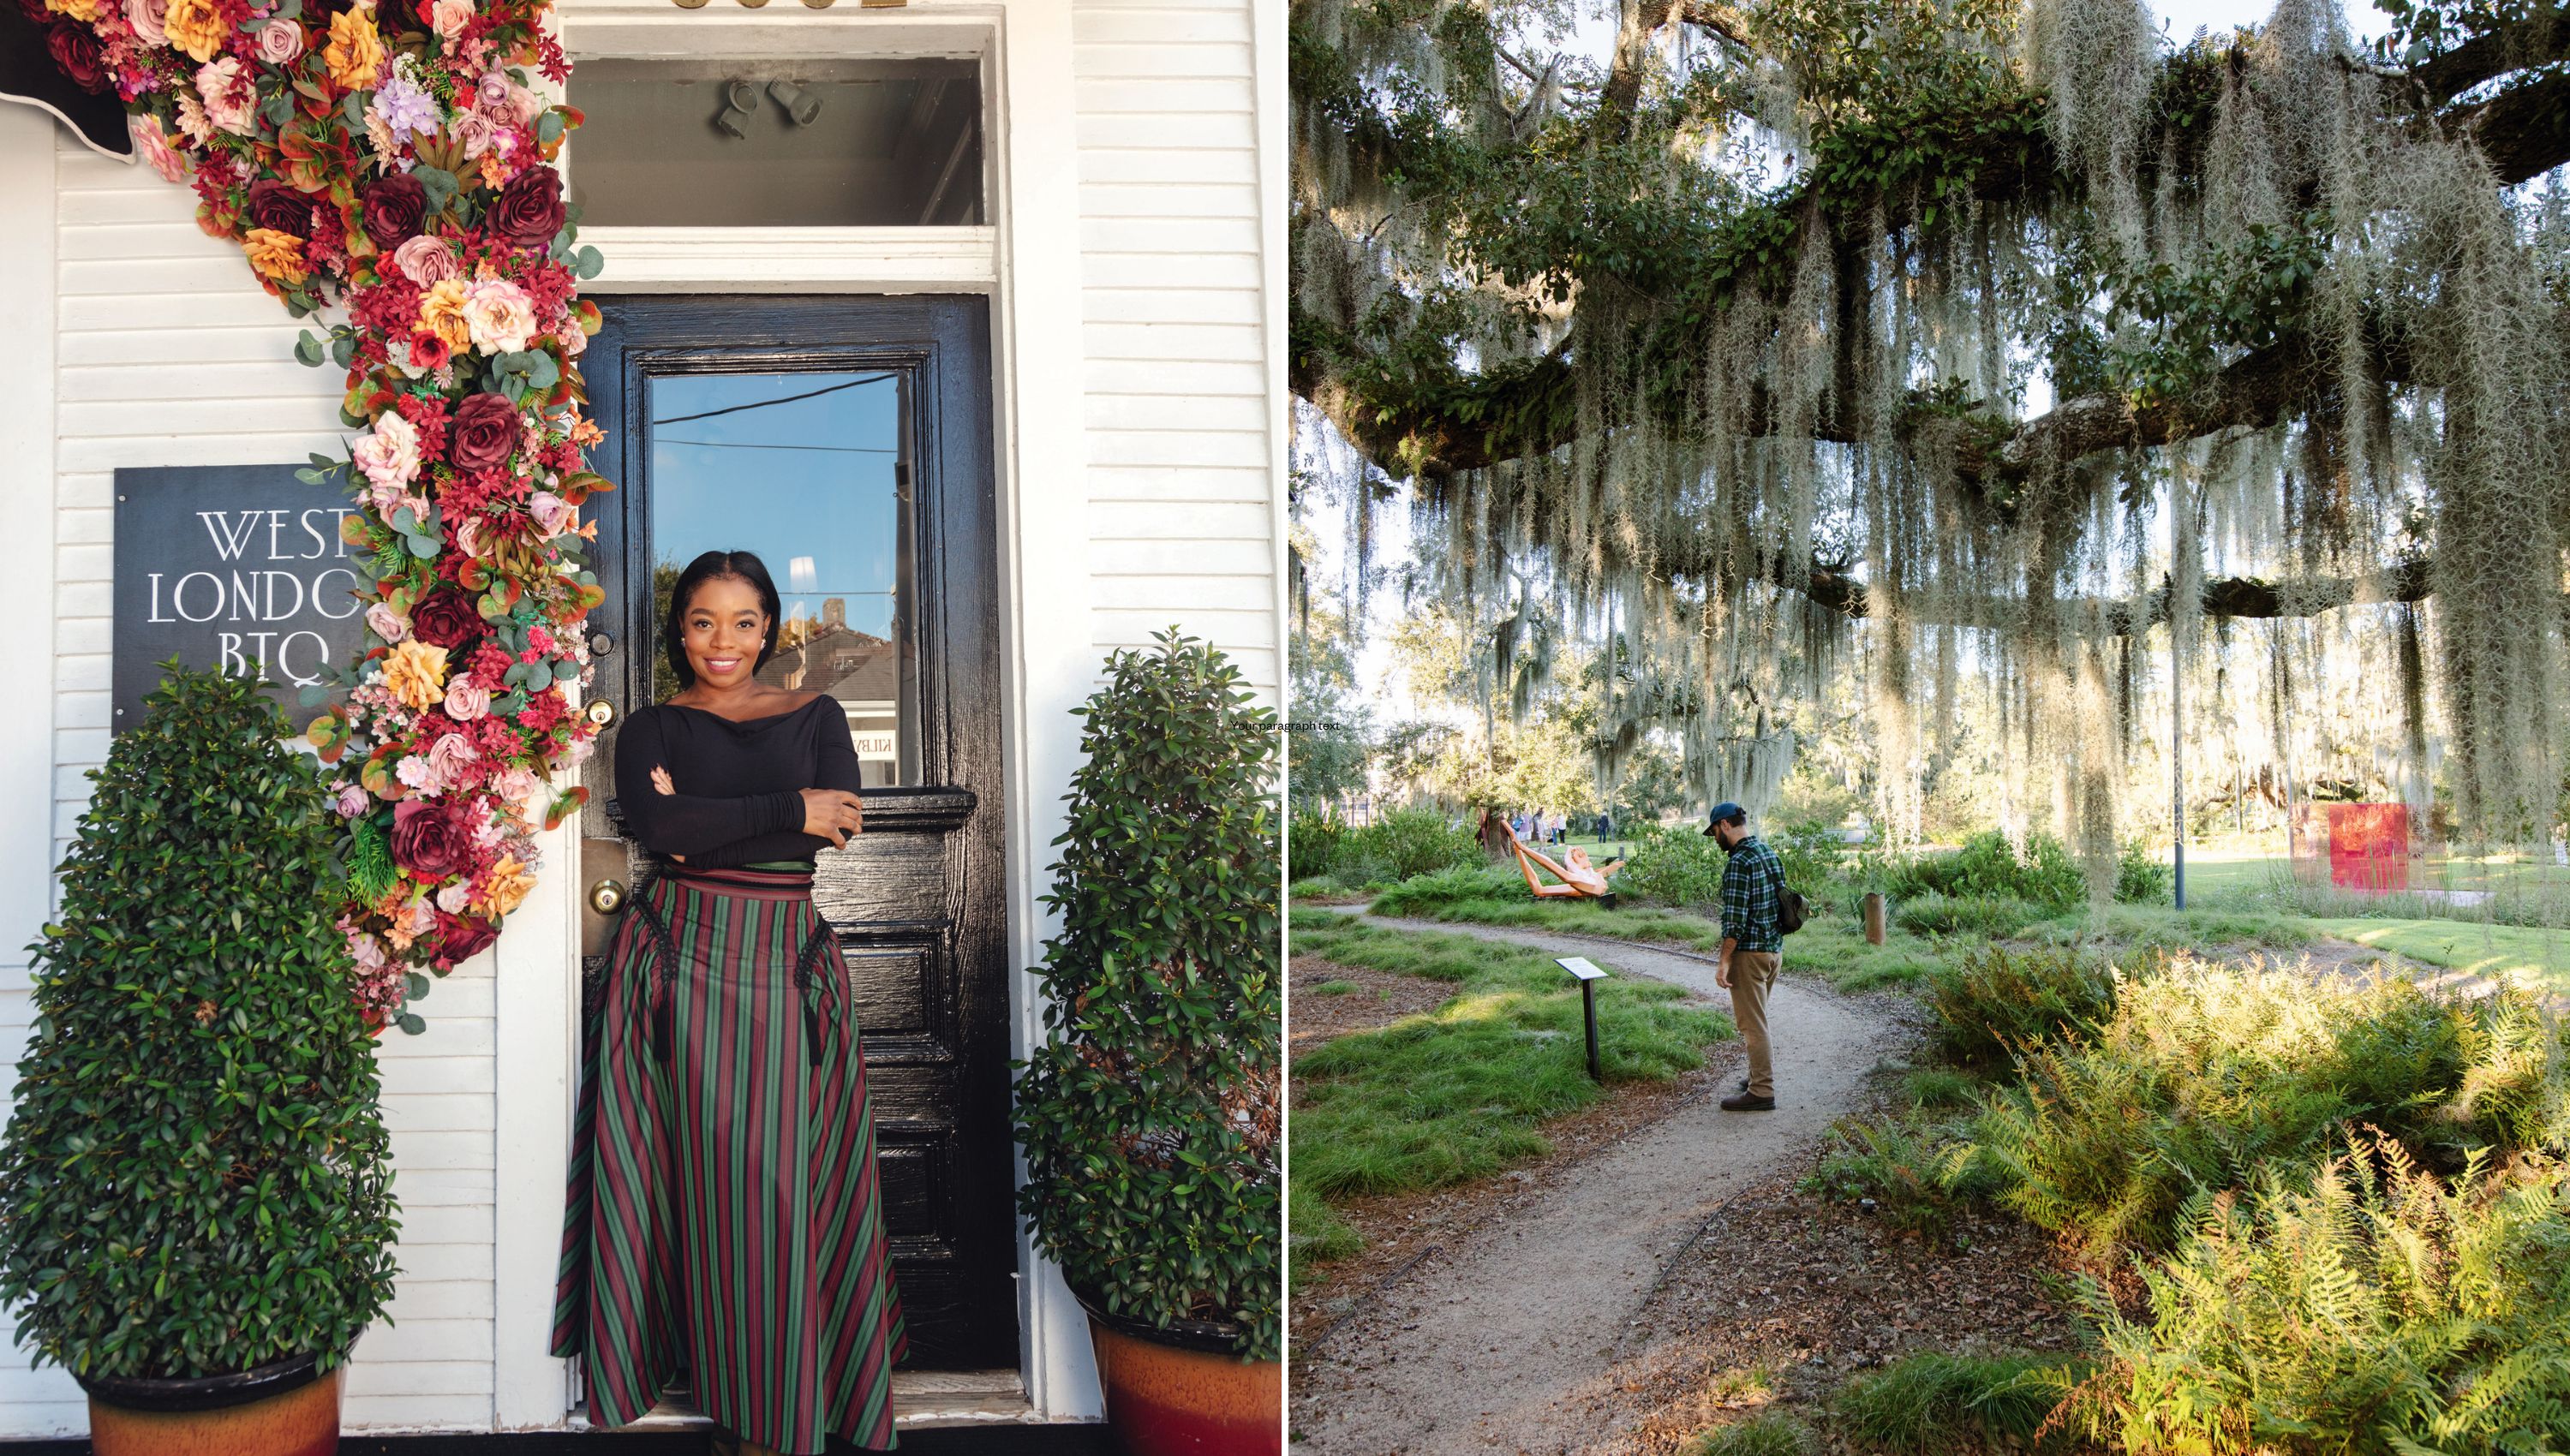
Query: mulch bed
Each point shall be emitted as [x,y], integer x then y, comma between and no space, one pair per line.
[1790,1293]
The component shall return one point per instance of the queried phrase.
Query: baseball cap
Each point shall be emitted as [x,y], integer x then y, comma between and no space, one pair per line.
[1723,813]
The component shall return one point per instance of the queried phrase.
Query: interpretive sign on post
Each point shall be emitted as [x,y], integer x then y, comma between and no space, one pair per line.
[234,567]
[1589,974]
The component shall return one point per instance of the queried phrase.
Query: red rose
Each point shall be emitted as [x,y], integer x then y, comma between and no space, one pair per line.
[529,209]
[277,204]
[428,350]
[483,433]
[459,938]
[428,838]
[75,52]
[446,619]
[396,206]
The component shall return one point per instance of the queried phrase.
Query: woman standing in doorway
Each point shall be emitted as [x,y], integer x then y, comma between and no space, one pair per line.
[724,1216]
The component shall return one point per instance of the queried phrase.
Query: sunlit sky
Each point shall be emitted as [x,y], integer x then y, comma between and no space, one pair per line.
[796,468]
[1375,668]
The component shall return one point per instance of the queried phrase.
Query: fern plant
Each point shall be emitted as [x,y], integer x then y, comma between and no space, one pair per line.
[2363,1305]
[195,1178]
[2204,1072]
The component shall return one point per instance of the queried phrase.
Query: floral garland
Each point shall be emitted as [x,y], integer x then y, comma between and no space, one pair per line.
[395,163]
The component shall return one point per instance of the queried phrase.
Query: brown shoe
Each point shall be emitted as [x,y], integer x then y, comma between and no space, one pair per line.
[1744,1102]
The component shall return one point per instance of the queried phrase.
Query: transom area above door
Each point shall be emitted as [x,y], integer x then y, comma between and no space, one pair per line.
[785,149]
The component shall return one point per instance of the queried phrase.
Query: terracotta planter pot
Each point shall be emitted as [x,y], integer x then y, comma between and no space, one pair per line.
[280,1409]
[1180,1392]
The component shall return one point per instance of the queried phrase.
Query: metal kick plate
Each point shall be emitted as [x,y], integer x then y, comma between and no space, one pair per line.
[601,858]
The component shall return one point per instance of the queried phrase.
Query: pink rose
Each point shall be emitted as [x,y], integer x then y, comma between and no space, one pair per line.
[517,785]
[424,260]
[352,800]
[468,537]
[467,700]
[155,149]
[553,513]
[499,315]
[448,17]
[389,455]
[449,757]
[231,93]
[365,950]
[146,16]
[491,96]
[279,40]
[473,131]
[387,623]
[454,898]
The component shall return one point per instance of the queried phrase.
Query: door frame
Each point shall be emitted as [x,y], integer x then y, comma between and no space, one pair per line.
[1027,262]
[947,635]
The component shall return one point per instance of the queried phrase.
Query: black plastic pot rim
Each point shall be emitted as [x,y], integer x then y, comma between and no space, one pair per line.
[207,1393]
[1208,1336]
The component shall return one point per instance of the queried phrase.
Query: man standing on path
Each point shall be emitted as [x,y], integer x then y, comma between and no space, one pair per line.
[1753,945]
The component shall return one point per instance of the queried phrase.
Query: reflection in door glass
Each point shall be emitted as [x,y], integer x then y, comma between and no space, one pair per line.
[802,468]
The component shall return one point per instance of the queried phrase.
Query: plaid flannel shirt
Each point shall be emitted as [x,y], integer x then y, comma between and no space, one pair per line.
[1752,883]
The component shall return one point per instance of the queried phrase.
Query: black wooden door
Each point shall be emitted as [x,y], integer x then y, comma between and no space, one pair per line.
[848,441]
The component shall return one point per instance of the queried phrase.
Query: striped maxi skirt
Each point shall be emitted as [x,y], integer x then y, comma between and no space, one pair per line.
[724,1214]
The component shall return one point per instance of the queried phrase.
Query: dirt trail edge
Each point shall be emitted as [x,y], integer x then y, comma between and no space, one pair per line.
[1484,1347]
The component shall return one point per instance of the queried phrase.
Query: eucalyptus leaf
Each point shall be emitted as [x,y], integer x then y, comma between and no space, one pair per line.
[438,183]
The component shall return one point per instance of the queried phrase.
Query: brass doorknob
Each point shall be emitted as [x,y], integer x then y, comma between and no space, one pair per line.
[606,897]
[600,712]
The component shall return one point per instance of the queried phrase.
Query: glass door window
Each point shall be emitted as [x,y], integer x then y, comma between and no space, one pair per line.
[806,468]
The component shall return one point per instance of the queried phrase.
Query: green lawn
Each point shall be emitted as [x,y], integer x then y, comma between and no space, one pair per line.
[2248,871]
[1461,1092]
[2537,958]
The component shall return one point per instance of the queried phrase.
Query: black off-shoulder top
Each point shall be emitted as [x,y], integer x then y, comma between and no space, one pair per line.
[739,799]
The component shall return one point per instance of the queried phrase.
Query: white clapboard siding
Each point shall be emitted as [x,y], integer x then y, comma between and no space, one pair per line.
[171,354]
[1173,311]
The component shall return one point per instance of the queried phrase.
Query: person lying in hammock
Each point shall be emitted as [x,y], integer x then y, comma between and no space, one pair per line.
[1578,876]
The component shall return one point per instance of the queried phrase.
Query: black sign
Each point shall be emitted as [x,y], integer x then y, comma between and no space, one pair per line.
[237,566]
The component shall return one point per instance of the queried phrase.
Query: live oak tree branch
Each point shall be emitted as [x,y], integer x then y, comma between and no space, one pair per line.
[1460,421]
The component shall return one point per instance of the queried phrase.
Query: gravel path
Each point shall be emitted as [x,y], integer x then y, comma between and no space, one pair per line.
[1486,1348]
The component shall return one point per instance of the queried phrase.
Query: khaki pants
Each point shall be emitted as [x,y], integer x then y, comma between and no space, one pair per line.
[1753,974]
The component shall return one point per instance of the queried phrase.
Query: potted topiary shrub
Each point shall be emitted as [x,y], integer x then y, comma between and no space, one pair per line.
[195,1207]
[1151,1115]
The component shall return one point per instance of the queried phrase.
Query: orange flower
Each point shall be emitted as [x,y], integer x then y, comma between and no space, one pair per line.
[441,312]
[416,673]
[196,27]
[275,256]
[503,885]
[355,54]
[80,10]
